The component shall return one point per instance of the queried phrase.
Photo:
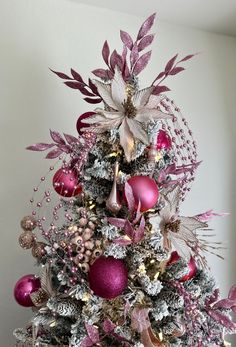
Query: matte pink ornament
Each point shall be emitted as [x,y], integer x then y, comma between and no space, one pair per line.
[192,267]
[163,140]
[108,277]
[25,286]
[80,124]
[65,182]
[145,190]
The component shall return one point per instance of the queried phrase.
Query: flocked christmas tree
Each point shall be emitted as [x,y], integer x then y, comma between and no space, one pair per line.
[120,265]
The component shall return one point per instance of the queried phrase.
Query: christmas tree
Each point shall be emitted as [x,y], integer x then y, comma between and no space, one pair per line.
[120,265]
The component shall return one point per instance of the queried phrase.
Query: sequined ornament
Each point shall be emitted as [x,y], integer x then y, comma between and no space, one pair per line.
[38,250]
[27,240]
[145,190]
[113,202]
[24,287]
[108,277]
[28,223]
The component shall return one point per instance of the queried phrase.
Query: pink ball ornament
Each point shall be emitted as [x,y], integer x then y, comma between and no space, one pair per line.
[145,190]
[192,267]
[108,277]
[163,140]
[65,182]
[25,286]
[80,124]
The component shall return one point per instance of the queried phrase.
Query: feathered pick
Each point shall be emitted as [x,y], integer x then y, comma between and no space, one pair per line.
[178,232]
[128,111]
[46,291]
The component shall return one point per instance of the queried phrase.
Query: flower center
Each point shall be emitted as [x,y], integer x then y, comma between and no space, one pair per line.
[129,108]
[172,226]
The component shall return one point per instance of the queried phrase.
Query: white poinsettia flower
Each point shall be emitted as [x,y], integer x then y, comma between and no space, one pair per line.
[127,111]
[179,233]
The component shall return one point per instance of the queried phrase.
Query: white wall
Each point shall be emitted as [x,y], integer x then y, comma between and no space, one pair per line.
[37,34]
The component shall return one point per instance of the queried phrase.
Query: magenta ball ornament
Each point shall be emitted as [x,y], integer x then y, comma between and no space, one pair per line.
[163,140]
[108,277]
[192,267]
[25,286]
[145,190]
[65,182]
[80,124]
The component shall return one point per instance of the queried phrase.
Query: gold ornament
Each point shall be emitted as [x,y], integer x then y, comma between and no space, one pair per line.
[27,240]
[113,202]
[28,223]
[38,250]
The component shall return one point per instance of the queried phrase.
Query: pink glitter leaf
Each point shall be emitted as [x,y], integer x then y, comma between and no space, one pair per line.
[126,39]
[62,75]
[129,197]
[106,52]
[93,87]
[76,76]
[116,60]
[101,73]
[222,319]
[118,222]
[160,89]
[139,233]
[55,153]
[213,298]
[87,342]
[170,64]
[70,139]
[161,74]
[74,85]
[92,333]
[208,215]
[225,303]
[187,57]
[129,230]
[176,70]
[139,319]
[57,137]
[40,147]
[108,326]
[65,148]
[145,42]
[141,63]
[146,26]
[232,293]
[93,101]
[138,213]
[134,54]
[122,241]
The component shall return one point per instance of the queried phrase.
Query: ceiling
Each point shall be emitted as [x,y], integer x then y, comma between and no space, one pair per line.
[217,16]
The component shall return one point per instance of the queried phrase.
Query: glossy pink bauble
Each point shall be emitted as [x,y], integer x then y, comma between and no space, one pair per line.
[80,124]
[145,190]
[108,277]
[25,286]
[192,267]
[65,182]
[163,140]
